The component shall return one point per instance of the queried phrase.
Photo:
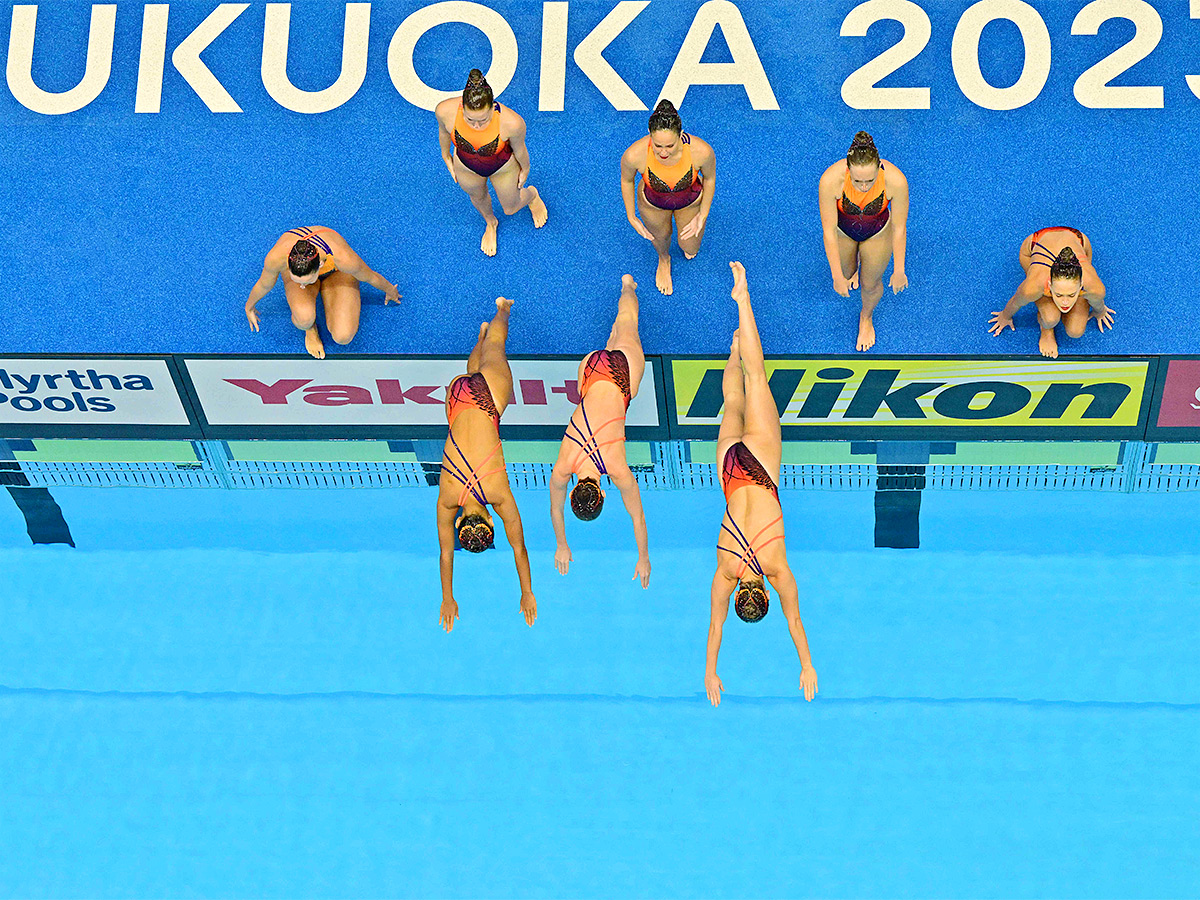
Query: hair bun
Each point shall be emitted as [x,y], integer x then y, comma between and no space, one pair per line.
[475,77]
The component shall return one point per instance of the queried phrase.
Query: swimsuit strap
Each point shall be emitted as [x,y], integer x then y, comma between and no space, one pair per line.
[748,555]
[309,235]
[591,444]
[1041,249]
[472,481]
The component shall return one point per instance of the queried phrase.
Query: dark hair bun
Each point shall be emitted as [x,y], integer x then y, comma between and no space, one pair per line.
[862,150]
[752,602]
[478,93]
[665,118]
[586,499]
[1066,266]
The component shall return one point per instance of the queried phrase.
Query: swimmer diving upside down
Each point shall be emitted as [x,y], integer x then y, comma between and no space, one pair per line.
[1058,272]
[319,263]
[483,141]
[473,475]
[594,444]
[750,550]
[679,178]
[864,222]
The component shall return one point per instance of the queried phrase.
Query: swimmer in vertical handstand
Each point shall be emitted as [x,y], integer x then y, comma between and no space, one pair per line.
[864,221]
[483,141]
[473,474]
[594,444]
[1058,272]
[679,177]
[750,549]
[319,263]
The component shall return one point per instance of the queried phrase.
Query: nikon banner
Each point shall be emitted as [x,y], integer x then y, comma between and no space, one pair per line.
[929,399]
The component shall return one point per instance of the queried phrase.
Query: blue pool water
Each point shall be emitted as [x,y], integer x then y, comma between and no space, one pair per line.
[256,700]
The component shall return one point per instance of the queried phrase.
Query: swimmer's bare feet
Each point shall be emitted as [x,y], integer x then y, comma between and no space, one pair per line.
[854,280]
[488,244]
[628,282]
[662,277]
[866,332]
[735,345]
[687,255]
[503,304]
[1048,344]
[537,207]
[740,291]
[313,343]
[483,327]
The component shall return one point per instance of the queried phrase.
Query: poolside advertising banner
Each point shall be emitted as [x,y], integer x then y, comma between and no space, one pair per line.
[920,399]
[1176,412]
[248,397]
[92,396]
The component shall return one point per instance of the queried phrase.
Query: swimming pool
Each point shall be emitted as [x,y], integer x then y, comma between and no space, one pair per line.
[246,692]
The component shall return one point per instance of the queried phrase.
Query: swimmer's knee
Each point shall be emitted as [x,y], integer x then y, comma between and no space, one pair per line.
[510,208]
[302,324]
[1075,329]
[1050,319]
[343,335]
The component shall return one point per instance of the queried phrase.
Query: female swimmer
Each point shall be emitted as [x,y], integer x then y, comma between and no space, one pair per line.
[483,141]
[750,548]
[679,177]
[319,263]
[1058,271]
[473,475]
[864,220]
[595,441]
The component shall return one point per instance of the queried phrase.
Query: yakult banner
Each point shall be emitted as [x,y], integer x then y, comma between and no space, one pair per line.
[90,397]
[919,399]
[378,397]
[1176,413]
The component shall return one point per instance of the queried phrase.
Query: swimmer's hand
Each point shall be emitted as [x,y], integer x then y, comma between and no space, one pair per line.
[1104,318]
[808,682]
[713,685]
[529,608]
[391,295]
[898,282]
[642,571]
[841,285]
[562,559]
[450,166]
[522,177]
[640,228]
[999,321]
[693,228]
[252,316]
[449,614]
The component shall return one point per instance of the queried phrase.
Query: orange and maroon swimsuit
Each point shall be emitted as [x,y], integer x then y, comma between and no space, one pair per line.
[603,365]
[671,187]
[862,214]
[481,151]
[470,391]
[739,469]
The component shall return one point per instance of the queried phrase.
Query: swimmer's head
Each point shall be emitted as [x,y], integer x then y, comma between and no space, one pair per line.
[751,602]
[303,261]
[475,532]
[863,161]
[587,500]
[477,98]
[665,129]
[1066,279]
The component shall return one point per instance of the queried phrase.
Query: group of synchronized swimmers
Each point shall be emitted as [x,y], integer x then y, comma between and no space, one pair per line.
[863,203]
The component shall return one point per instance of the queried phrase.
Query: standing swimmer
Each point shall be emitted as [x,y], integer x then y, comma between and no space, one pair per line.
[473,474]
[864,222]
[750,548]
[1066,273]
[679,177]
[319,263]
[483,141]
[594,444]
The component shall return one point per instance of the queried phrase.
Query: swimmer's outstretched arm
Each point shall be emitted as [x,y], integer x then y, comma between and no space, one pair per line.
[261,288]
[789,600]
[445,527]
[558,501]
[721,589]
[352,264]
[506,508]
[632,498]
[1031,288]
[1095,292]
